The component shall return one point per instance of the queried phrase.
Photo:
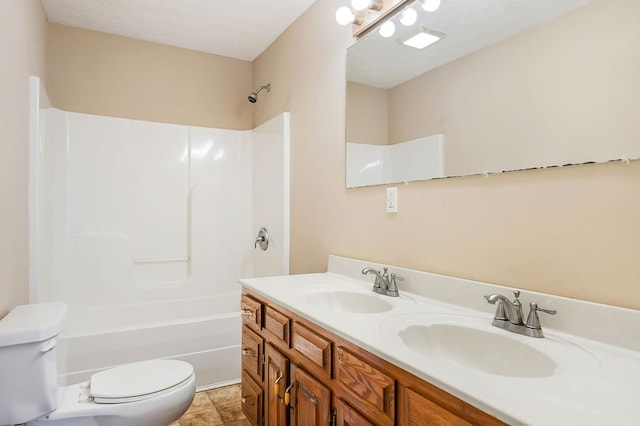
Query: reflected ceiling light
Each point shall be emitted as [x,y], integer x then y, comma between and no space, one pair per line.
[345,16]
[430,5]
[366,4]
[387,29]
[424,38]
[408,17]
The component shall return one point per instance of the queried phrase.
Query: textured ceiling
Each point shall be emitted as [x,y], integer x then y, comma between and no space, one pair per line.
[240,29]
[469,25]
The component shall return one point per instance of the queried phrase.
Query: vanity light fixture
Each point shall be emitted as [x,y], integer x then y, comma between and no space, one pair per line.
[430,5]
[345,16]
[424,38]
[387,29]
[366,4]
[367,14]
[408,17]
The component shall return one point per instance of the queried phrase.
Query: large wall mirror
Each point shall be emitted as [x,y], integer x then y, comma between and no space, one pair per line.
[510,85]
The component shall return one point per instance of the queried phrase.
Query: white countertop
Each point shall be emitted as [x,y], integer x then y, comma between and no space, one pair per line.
[597,379]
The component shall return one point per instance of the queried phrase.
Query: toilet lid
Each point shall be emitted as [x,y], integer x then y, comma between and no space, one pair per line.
[139,380]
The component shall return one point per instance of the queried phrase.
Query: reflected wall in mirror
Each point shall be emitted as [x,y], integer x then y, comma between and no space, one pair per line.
[513,85]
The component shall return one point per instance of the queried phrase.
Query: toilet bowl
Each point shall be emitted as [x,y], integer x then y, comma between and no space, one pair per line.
[146,393]
[138,394]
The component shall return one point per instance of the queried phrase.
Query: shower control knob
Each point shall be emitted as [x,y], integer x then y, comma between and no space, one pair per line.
[262,240]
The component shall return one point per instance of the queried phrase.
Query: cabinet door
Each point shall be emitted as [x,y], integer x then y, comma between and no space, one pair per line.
[347,416]
[251,400]
[276,383]
[311,400]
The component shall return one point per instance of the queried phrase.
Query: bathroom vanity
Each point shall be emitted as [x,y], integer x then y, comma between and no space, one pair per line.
[325,349]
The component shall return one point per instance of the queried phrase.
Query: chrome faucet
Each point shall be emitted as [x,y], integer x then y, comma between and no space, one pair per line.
[385,283]
[509,316]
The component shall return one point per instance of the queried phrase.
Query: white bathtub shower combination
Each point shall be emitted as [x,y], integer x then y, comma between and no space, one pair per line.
[143,229]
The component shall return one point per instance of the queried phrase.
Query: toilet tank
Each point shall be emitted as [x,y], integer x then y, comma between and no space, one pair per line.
[29,382]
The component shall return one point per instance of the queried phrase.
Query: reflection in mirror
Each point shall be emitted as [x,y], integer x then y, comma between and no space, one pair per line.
[512,85]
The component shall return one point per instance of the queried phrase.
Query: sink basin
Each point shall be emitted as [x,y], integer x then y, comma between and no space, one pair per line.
[479,350]
[349,301]
[473,344]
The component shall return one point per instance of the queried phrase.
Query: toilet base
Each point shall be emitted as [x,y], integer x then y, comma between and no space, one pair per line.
[161,410]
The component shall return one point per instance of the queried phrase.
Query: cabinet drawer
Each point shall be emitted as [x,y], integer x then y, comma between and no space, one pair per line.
[251,311]
[277,325]
[420,403]
[252,353]
[423,411]
[313,346]
[251,400]
[370,386]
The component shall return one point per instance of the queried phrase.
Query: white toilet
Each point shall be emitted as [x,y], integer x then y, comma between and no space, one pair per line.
[147,393]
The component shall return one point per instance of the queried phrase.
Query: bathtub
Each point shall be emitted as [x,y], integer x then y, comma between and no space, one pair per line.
[205,332]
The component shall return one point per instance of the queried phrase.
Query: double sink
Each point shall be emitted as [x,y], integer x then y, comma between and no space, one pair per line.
[468,342]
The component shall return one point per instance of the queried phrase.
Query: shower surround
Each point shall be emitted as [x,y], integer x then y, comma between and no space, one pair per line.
[144,228]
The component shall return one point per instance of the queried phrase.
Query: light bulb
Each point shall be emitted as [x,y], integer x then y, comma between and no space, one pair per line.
[430,5]
[344,15]
[408,17]
[387,29]
[360,4]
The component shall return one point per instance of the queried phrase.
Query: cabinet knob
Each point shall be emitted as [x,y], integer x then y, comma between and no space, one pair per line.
[248,352]
[246,401]
[247,313]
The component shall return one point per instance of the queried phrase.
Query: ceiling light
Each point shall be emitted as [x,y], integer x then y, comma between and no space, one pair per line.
[408,17]
[387,29]
[430,5]
[424,38]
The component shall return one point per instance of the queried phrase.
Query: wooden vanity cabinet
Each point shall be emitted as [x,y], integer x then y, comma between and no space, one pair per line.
[309,376]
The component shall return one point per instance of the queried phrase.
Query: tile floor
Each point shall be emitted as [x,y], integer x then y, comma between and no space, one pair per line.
[216,407]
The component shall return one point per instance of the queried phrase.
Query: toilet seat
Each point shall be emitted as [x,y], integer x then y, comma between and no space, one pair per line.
[138,381]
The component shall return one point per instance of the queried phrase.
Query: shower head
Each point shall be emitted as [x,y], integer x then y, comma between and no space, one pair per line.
[253,97]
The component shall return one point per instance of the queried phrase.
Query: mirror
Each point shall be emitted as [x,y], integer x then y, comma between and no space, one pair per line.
[512,85]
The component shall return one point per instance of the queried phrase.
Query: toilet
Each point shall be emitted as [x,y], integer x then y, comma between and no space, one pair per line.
[147,393]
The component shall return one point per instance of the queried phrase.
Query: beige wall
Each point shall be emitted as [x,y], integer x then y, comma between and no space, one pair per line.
[569,231]
[104,74]
[23,33]
[367,114]
[563,92]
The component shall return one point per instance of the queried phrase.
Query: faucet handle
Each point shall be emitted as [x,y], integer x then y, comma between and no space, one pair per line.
[532,320]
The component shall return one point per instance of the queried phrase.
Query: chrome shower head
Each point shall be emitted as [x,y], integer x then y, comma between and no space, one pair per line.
[253,97]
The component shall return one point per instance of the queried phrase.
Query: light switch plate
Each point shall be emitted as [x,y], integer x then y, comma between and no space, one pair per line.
[392,200]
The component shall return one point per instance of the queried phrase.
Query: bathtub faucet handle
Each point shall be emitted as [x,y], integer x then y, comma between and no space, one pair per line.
[262,240]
